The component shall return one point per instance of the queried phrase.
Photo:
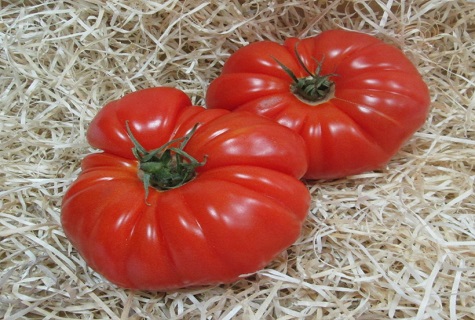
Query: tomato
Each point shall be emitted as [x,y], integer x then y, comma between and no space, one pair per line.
[240,205]
[353,98]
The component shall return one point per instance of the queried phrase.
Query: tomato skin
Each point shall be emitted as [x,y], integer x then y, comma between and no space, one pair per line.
[379,99]
[149,112]
[241,210]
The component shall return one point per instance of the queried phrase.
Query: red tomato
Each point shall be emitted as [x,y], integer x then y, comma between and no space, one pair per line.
[243,206]
[354,99]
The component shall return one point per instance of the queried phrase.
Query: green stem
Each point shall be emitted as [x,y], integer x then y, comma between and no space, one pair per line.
[313,88]
[166,167]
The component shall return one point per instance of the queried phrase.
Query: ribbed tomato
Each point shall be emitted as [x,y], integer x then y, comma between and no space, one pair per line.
[220,199]
[353,98]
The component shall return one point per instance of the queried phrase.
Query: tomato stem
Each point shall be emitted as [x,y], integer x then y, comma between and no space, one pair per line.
[313,88]
[166,167]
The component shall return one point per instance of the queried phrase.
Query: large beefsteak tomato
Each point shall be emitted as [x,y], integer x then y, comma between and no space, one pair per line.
[239,207]
[353,98]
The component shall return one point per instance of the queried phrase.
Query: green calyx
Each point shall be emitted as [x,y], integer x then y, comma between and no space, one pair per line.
[166,167]
[313,88]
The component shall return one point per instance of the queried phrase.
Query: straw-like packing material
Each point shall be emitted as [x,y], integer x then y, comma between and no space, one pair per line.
[394,243]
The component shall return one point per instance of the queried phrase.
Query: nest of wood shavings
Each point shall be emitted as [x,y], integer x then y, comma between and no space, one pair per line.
[395,243]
